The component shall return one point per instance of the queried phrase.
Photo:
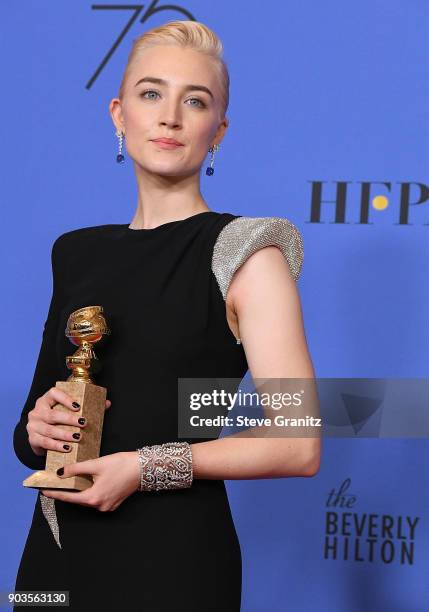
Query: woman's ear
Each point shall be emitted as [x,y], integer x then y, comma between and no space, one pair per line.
[220,132]
[115,110]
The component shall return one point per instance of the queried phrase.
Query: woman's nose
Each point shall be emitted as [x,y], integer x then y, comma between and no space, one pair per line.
[171,116]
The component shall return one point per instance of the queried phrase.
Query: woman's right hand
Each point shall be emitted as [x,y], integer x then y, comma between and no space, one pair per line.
[44,422]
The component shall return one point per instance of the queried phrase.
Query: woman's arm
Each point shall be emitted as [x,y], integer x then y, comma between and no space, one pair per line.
[264,296]
[46,372]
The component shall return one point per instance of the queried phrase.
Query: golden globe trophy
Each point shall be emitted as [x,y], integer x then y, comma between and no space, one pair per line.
[85,327]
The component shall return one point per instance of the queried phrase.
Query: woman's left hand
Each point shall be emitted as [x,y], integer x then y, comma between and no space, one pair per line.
[115,477]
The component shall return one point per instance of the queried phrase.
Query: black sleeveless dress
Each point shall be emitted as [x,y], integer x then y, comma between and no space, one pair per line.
[163,293]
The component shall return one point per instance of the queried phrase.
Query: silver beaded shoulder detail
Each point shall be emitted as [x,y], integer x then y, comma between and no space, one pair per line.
[50,513]
[243,236]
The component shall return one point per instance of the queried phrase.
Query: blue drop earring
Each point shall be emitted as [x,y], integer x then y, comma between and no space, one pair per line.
[213,150]
[120,157]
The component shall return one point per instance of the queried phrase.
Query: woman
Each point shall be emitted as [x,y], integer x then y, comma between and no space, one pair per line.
[187,292]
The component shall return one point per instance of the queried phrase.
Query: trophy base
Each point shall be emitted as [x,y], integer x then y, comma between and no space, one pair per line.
[43,479]
[92,399]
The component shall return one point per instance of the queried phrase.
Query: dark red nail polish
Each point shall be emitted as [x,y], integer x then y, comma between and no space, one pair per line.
[76,436]
[66,446]
[82,420]
[60,471]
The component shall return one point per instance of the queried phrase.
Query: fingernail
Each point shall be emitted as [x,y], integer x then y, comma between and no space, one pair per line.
[82,421]
[76,405]
[60,471]
[76,436]
[66,446]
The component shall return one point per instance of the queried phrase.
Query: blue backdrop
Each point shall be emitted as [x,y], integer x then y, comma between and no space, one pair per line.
[329,105]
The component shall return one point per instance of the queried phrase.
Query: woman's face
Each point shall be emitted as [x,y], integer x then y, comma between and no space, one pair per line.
[169,104]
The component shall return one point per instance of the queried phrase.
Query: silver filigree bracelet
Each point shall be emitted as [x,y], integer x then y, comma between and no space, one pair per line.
[165,466]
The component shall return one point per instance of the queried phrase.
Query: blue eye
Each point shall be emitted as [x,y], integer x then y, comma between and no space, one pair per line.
[150,91]
[201,104]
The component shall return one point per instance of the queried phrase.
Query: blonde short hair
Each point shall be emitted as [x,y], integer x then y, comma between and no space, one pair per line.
[186,34]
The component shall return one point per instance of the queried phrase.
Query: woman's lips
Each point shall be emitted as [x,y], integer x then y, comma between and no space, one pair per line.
[166,145]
